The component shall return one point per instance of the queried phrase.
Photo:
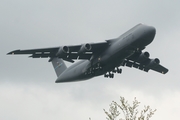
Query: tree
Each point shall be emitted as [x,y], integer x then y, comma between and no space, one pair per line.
[129,112]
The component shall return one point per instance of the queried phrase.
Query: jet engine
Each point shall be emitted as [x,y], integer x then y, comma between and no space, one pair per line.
[143,56]
[153,62]
[62,51]
[85,48]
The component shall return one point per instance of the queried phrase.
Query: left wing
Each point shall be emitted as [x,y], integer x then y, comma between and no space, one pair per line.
[68,53]
[143,62]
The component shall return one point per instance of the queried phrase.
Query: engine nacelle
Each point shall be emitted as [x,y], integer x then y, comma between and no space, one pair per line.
[62,51]
[153,62]
[143,56]
[85,48]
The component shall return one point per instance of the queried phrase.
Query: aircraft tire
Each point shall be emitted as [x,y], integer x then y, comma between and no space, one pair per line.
[112,76]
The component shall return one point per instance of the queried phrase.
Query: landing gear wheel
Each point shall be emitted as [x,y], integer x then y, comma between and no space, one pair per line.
[114,71]
[105,75]
[111,75]
[119,71]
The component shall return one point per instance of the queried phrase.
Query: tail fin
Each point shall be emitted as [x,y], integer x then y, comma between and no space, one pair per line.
[59,66]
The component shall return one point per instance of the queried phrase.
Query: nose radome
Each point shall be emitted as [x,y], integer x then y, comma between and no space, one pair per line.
[152,30]
[147,35]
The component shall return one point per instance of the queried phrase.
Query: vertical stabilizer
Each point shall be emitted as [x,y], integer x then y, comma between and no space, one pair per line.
[59,66]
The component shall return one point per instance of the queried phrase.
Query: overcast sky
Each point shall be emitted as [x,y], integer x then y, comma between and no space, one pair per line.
[27,86]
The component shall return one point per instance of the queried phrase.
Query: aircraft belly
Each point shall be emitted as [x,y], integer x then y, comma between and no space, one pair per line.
[118,52]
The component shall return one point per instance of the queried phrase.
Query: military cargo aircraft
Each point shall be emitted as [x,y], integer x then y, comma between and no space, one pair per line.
[102,58]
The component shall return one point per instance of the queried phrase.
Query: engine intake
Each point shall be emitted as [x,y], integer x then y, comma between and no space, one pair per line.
[62,51]
[85,48]
[153,62]
[143,56]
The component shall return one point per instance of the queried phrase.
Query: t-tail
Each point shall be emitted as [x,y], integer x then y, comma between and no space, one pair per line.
[59,66]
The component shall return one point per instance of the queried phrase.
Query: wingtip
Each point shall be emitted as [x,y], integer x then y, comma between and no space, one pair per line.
[167,71]
[164,72]
[12,52]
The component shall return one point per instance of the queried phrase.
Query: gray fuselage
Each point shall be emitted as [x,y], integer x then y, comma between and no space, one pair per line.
[119,49]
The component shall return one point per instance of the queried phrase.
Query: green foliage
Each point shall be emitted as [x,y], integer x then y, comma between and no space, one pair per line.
[129,112]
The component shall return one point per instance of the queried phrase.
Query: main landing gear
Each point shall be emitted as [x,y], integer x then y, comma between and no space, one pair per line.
[111,74]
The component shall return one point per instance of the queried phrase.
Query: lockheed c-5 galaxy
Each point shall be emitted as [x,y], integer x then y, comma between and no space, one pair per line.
[102,58]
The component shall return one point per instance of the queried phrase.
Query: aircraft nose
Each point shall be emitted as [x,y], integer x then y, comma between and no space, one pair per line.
[149,35]
[152,31]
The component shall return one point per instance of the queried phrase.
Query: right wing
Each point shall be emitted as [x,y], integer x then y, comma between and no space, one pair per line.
[68,53]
